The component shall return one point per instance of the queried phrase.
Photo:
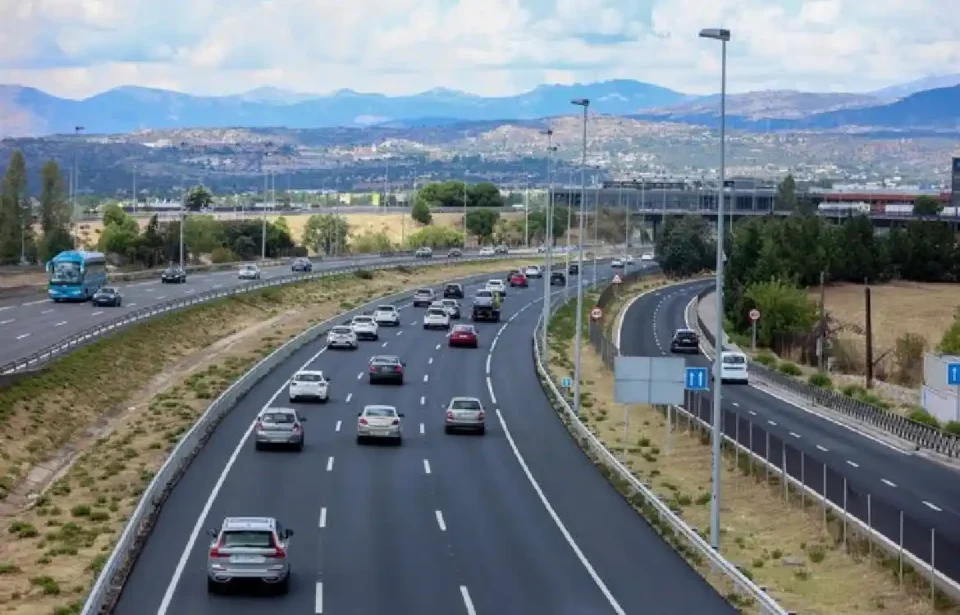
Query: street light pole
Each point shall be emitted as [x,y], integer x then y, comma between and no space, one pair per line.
[76,180]
[596,227]
[723,36]
[548,240]
[183,206]
[585,103]
[464,211]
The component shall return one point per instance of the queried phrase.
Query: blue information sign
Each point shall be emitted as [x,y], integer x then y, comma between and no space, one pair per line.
[953,374]
[696,379]
[567,383]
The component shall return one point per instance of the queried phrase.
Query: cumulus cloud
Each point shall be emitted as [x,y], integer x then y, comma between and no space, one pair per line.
[491,47]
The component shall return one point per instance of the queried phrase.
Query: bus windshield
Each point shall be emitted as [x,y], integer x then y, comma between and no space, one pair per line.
[64,272]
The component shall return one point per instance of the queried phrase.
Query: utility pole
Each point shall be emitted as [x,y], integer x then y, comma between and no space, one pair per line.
[869,326]
[75,183]
[134,190]
[596,226]
[822,338]
[578,338]
[464,211]
[548,240]
[526,216]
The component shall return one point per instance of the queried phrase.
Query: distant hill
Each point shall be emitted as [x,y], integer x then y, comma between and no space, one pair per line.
[903,90]
[127,108]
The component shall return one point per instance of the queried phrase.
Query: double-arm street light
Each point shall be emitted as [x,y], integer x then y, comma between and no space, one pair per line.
[585,103]
[722,35]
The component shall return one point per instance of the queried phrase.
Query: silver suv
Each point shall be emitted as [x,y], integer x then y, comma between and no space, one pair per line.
[281,427]
[249,549]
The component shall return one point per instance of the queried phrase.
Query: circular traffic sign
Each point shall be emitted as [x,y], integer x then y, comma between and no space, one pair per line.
[596,313]
[754,314]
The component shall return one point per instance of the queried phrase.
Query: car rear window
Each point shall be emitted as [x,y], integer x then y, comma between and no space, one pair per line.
[386,308]
[463,329]
[424,291]
[309,378]
[247,538]
[282,418]
[387,412]
[465,404]
[435,312]
[734,359]
[453,287]
[363,319]
[342,330]
[686,335]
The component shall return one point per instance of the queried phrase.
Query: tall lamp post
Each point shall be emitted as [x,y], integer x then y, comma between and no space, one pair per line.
[722,35]
[585,103]
[548,239]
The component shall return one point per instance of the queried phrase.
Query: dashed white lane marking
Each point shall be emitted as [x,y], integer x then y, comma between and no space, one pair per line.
[467,602]
[349,397]
[23,335]
[422,428]
[384,345]
[318,600]
[413,323]
[339,424]
[35,302]
[752,413]
[6,307]
[853,463]
[60,324]
[6,322]
[888,483]
[440,522]
[97,313]
[330,464]
[323,517]
[400,332]
[131,305]
[772,423]
[423,400]
[426,377]
[426,466]
[161,297]
[820,448]
[150,290]
[438,347]
[795,435]
[932,506]
[47,311]
[360,376]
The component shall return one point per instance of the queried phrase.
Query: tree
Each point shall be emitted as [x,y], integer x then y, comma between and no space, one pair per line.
[784,308]
[927,206]
[54,213]
[120,235]
[421,212]
[484,194]
[198,198]
[326,233]
[203,234]
[538,224]
[786,199]
[685,246]
[369,242]
[481,223]
[437,237]
[950,342]
[15,211]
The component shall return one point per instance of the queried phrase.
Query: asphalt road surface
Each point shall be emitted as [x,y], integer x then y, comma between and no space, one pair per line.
[515,522]
[927,492]
[26,326]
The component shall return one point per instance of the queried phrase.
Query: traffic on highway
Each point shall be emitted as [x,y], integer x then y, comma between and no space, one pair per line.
[451,489]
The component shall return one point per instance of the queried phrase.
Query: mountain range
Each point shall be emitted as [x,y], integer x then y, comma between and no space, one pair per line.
[931,103]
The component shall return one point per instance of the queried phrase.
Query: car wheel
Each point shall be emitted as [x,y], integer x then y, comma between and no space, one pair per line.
[283,586]
[399,442]
[482,431]
[446,429]
[376,337]
[257,446]
[359,439]
[212,586]
[324,400]
[119,302]
[298,446]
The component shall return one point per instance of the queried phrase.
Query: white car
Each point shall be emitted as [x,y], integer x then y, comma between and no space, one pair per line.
[497,286]
[249,271]
[436,318]
[452,306]
[486,252]
[342,337]
[386,315]
[309,384]
[533,271]
[365,327]
[628,259]
[617,263]
[646,257]
[379,422]
[733,367]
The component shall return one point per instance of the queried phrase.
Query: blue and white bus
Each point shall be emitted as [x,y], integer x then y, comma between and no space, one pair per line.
[76,275]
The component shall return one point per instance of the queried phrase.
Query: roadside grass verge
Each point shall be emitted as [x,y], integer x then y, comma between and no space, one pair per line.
[781,543]
[91,430]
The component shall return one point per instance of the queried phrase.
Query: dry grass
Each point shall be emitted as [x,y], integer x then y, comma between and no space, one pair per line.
[783,545]
[171,369]
[14,280]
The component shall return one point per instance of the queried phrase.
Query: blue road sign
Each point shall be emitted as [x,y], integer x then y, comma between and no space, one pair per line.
[953,374]
[567,383]
[696,379]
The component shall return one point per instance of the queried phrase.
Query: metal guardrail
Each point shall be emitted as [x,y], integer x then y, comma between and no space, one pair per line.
[921,435]
[740,583]
[72,342]
[879,523]
[113,575]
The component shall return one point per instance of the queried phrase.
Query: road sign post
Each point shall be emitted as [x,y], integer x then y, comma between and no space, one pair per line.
[953,379]
[617,281]
[754,317]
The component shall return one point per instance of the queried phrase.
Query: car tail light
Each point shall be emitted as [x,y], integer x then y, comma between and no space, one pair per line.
[363,422]
[296,427]
[278,552]
[373,369]
[450,414]
[215,549]
[259,425]
[395,422]
[398,368]
[481,415]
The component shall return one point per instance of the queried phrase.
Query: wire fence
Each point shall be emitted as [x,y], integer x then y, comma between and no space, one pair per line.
[866,521]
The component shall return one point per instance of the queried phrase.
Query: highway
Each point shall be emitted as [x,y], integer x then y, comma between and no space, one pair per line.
[518,521]
[30,324]
[927,492]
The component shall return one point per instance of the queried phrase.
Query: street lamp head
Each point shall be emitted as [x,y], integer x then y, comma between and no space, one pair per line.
[717,34]
[548,132]
[580,102]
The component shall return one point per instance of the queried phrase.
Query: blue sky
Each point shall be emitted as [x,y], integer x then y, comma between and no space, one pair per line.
[77,48]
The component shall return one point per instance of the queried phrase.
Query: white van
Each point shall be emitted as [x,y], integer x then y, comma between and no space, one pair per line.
[733,367]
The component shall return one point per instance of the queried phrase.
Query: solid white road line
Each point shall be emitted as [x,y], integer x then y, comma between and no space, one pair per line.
[330,464]
[820,448]
[319,598]
[47,311]
[97,313]
[493,398]
[323,517]
[35,302]
[426,466]
[933,506]
[6,307]
[467,602]
[443,526]
[384,345]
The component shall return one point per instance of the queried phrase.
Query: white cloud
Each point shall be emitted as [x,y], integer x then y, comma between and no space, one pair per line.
[80,47]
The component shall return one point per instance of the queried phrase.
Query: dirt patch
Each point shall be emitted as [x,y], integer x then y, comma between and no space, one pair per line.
[171,368]
[780,542]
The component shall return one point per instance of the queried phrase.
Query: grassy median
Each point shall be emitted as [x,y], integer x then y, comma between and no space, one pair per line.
[781,543]
[83,438]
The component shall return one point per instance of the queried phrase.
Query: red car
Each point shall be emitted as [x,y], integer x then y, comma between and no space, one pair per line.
[463,335]
[518,279]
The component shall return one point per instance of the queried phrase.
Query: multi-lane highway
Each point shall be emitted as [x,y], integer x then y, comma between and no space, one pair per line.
[517,521]
[28,325]
[927,492]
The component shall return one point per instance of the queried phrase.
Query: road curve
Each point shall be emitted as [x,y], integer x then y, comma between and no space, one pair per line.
[444,524]
[926,492]
[27,326]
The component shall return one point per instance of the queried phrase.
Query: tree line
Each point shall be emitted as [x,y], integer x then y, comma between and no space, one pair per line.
[31,230]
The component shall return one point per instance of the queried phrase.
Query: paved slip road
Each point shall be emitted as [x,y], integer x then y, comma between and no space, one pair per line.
[927,493]
[27,326]
[444,524]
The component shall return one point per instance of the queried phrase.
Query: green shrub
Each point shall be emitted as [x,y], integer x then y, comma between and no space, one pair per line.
[822,380]
[765,358]
[919,415]
[953,427]
[790,369]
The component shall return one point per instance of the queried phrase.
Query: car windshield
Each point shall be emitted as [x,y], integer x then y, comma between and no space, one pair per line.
[106,290]
[463,329]
[484,293]
[465,404]
[278,417]
[494,283]
[249,267]
[309,378]
[363,320]
[436,312]
[386,308]
[734,359]
[65,273]
[453,287]
[384,412]
[247,538]
[341,331]
[170,270]
[686,334]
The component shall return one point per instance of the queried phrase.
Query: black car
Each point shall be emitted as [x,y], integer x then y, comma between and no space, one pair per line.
[558,279]
[574,269]
[685,340]
[301,264]
[453,291]
[454,253]
[501,249]
[386,368]
[107,296]
[173,275]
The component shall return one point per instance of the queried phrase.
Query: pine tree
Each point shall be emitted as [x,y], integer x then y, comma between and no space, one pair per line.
[54,212]
[15,211]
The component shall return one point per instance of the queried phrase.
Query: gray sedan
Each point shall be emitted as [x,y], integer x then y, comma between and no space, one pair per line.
[465,414]
[281,427]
